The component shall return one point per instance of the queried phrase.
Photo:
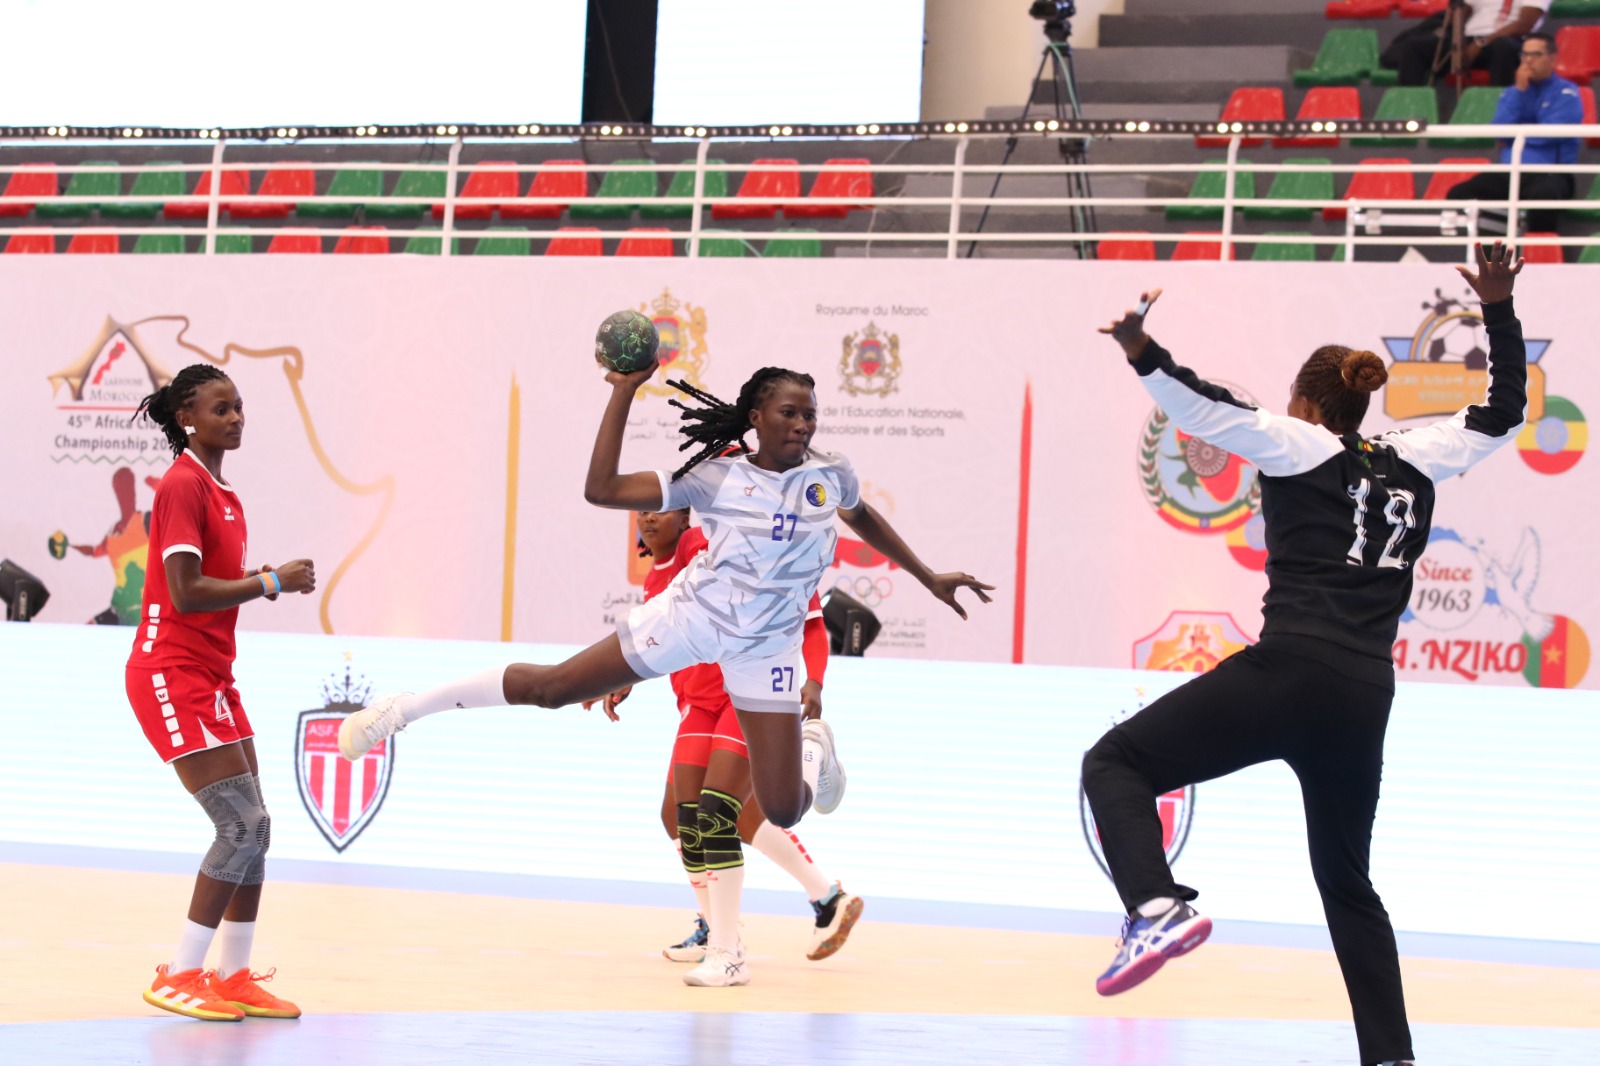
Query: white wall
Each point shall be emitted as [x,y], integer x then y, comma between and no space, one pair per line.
[982,53]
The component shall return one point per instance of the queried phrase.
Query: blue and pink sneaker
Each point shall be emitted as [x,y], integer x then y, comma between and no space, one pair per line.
[1147,943]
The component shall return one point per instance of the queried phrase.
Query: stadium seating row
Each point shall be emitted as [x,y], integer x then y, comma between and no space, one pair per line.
[621,192]
[1139,245]
[359,240]
[1350,56]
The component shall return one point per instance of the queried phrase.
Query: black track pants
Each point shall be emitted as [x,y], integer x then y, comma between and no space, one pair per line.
[1262,704]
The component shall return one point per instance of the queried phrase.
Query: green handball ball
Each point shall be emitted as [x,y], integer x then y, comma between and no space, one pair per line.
[627,341]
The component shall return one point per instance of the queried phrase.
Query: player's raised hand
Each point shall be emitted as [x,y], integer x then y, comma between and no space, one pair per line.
[634,380]
[1128,330]
[1498,268]
[944,586]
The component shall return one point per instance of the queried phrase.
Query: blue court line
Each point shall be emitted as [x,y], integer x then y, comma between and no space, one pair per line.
[772,901]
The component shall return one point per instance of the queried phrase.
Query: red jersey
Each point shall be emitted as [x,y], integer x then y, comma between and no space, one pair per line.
[193,512]
[701,686]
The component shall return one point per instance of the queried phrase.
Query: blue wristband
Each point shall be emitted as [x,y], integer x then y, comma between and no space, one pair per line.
[277,586]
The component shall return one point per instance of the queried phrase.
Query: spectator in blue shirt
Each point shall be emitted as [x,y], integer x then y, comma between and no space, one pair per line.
[1538,96]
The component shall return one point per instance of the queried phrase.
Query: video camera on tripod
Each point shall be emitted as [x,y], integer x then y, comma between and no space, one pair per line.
[1055,15]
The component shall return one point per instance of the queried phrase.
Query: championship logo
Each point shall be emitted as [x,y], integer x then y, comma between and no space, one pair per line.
[98,394]
[870,365]
[341,797]
[1198,487]
[1444,365]
[1190,642]
[682,351]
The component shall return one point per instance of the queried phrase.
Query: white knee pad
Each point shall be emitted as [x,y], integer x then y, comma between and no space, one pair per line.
[244,829]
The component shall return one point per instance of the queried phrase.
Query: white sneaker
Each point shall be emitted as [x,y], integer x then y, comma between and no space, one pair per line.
[835,919]
[361,731]
[830,775]
[721,969]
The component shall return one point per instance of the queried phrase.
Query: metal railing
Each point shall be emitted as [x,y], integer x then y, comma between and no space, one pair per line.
[1457,222]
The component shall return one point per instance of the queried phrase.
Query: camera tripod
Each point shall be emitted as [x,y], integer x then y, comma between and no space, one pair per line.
[1057,56]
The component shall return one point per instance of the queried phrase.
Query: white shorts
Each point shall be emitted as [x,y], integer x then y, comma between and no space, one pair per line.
[666,634]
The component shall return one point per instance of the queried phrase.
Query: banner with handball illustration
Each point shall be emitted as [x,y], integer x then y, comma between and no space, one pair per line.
[422,428]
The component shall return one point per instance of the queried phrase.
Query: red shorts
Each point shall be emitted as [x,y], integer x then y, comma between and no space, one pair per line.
[182,710]
[702,731]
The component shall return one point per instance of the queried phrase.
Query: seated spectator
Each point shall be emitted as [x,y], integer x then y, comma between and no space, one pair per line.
[1538,96]
[1492,41]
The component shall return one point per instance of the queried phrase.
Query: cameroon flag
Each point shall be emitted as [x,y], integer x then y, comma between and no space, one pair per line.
[1561,660]
[1555,443]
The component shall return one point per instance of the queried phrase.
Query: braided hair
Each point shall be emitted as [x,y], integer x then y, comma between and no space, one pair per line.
[1340,382]
[717,424]
[163,405]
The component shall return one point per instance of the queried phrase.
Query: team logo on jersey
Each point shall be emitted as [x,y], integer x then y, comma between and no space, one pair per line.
[1190,642]
[816,494]
[682,351]
[97,394]
[1195,485]
[1175,809]
[1444,364]
[341,797]
[870,365]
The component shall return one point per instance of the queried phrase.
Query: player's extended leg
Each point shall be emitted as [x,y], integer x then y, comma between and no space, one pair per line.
[775,765]
[727,782]
[836,911]
[595,671]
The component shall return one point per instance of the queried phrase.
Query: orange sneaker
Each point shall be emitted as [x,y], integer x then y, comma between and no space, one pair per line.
[242,991]
[191,993]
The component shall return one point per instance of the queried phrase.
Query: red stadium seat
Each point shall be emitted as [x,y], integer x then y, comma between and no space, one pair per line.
[1248,105]
[575,240]
[353,242]
[1541,253]
[835,181]
[25,187]
[1337,102]
[1442,181]
[93,244]
[1359,9]
[781,178]
[1127,246]
[637,243]
[1586,94]
[1378,179]
[26,243]
[555,178]
[291,243]
[1202,249]
[1421,9]
[486,179]
[301,181]
[234,183]
[1578,52]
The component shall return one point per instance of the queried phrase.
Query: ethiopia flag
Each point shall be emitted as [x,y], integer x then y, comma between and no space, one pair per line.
[1554,443]
[1561,659]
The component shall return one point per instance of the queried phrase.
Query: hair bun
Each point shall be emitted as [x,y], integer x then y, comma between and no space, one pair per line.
[1363,371]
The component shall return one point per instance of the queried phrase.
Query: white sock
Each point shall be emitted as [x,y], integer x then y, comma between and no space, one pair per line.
[723,907]
[702,893]
[810,763]
[785,849]
[193,943]
[233,945]
[1155,908]
[484,689]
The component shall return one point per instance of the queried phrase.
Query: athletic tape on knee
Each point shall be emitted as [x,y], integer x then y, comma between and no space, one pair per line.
[718,820]
[238,853]
[694,854]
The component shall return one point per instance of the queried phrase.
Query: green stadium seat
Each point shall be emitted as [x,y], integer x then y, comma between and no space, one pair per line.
[85,183]
[420,183]
[1346,56]
[430,242]
[1399,104]
[1575,9]
[504,240]
[1591,213]
[720,244]
[147,183]
[158,244]
[235,244]
[1294,184]
[621,192]
[682,184]
[1476,108]
[1285,253]
[1209,184]
[349,191]
[793,249]
[1590,254]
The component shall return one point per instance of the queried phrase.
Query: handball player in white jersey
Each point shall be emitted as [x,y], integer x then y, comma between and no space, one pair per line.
[769,519]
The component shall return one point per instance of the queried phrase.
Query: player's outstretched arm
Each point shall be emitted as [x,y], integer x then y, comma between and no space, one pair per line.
[879,535]
[604,487]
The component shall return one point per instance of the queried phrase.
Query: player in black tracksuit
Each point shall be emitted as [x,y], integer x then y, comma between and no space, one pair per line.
[1346,520]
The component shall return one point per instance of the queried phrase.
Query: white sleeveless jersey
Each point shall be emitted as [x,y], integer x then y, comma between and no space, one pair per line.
[771,538]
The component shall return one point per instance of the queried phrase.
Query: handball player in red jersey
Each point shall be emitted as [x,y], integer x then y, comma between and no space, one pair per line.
[180,683]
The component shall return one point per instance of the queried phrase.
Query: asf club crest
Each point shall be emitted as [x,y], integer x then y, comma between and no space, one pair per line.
[341,797]
[1195,486]
[1190,642]
[682,351]
[1444,365]
[870,365]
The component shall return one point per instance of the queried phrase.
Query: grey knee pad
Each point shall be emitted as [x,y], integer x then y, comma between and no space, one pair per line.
[238,855]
